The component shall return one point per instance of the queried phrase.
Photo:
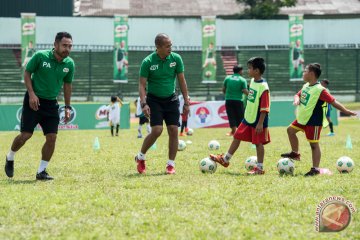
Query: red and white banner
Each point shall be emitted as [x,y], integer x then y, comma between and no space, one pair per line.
[211,114]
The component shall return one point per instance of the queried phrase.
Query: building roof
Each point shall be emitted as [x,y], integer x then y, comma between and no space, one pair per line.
[146,8]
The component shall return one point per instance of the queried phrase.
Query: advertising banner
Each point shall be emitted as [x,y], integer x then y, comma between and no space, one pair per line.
[121,28]
[208,33]
[212,114]
[296,52]
[83,116]
[28,44]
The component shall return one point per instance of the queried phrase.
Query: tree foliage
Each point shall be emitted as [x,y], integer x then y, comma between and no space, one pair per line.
[264,9]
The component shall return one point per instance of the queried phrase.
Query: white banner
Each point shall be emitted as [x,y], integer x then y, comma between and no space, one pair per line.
[209,114]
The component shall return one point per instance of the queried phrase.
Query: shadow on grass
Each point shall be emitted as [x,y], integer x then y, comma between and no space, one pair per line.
[132,175]
[11,181]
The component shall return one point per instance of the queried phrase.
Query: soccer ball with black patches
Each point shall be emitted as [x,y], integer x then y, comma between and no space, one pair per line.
[286,166]
[207,165]
[345,164]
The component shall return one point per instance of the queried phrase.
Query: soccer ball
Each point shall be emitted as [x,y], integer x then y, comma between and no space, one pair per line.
[208,74]
[345,164]
[286,166]
[190,132]
[250,163]
[214,145]
[207,165]
[182,145]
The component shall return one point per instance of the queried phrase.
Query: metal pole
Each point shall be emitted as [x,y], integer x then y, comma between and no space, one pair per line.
[90,76]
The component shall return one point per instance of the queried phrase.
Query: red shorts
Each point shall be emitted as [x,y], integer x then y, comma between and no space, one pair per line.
[184,117]
[312,133]
[247,133]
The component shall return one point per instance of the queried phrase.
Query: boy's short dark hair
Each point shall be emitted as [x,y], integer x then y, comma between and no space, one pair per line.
[237,68]
[113,99]
[315,68]
[257,63]
[326,81]
[61,35]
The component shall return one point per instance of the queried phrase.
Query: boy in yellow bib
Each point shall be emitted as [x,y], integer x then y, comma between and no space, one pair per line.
[254,127]
[310,117]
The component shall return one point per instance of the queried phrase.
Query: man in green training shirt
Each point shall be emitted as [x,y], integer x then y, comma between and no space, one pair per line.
[234,87]
[159,71]
[45,74]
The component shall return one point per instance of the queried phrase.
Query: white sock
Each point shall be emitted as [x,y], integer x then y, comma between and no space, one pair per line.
[141,156]
[11,155]
[148,128]
[171,163]
[227,157]
[260,165]
[43,166]
[317,168]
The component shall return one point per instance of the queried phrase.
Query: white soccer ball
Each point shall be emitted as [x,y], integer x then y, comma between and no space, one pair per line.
[345,164]
[181,145]
[214,145]
[286,166]
[250,163]
[190,132]
[207,165]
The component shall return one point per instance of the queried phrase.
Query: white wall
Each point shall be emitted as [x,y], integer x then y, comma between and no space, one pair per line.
[184,31]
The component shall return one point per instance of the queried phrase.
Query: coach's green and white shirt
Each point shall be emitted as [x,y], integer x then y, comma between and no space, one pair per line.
[48,75]
[161,74]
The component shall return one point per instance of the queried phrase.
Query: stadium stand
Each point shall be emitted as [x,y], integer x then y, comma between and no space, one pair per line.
[94,70]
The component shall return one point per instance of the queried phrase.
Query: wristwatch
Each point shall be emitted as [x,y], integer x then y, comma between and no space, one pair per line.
[68,107]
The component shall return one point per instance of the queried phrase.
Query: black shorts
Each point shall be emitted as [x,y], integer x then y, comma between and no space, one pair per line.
[47,116]
[163,109]
[235,112]
[143,120]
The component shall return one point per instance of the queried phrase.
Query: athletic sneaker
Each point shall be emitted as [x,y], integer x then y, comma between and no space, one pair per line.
[170,169]
[9,168]
[182,134]
[312,172]
[330,134]
[292,155]
[219,159]
[139,136]
[256,171]
[140,165]
[43,176]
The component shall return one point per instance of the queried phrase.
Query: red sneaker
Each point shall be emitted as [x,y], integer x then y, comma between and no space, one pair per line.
[170,169]
[140,165]
[182,134]
[219,159]
[256,171]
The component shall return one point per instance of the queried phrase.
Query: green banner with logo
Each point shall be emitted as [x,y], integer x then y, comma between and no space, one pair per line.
[121,28]
[83,116]
[208,33]
[296,53]
[28,44]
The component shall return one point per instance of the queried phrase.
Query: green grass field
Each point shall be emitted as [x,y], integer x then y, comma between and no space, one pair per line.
[99,195]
